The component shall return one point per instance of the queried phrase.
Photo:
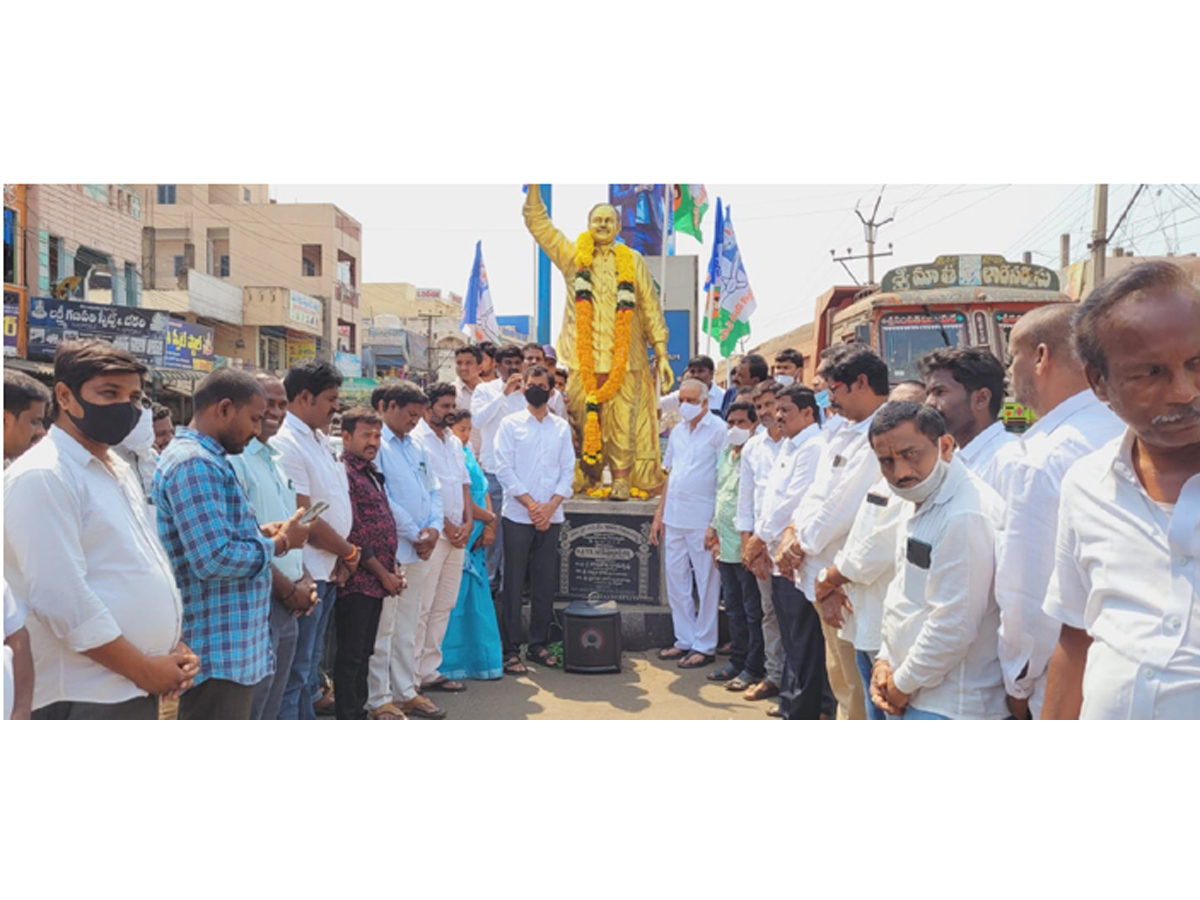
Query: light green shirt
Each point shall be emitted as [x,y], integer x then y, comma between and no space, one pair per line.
[729,477]
[271,496]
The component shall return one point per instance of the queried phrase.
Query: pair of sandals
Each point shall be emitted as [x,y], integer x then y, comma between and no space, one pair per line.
[688,659]
[541,656]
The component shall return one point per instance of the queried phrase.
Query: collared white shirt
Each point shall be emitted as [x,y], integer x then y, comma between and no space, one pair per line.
[790,481]
[868,559]
[450,467]
[534,458]
[691,460]
[716,396]
[1025,556]
[309,461]
[14,621]
[758,458]
[489,406]
[984,458]
[939,622]
[413,490]
[847,469]
[464,396]
[1128,573]
[556,404]
[79,553]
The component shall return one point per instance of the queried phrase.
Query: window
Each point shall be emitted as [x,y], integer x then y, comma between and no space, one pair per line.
[906,337]
[223,269]
[166,194]
[178,266]
[246,194]
[131,292]
[10,246]
[310,259]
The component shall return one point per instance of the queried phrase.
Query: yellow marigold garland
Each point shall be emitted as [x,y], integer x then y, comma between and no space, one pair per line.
[584,256]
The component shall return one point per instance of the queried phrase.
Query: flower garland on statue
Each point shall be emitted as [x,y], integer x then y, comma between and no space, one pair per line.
[584,251]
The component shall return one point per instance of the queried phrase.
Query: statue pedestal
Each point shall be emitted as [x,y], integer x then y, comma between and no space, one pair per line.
[605,553]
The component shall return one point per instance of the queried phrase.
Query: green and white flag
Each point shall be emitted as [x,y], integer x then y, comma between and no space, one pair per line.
[690,203]
[731,290]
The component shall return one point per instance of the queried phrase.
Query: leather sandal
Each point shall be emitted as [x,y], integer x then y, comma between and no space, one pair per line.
[387,712]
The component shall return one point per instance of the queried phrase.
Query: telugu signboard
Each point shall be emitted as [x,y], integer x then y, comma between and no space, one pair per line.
[12,321]
[429,293]
[189,347]
[349,364]
[969,271]
[140,331]
[304,310]
[300,346]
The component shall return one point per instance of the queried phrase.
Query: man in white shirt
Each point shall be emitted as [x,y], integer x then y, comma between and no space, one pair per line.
[937,659]
[309,462]
[533,354]
[18,660]
[788,367]
[1126,583]
[1048,377]
[487,364]
[467,361]
[684,511]
[106,616]
[535,460]
[758,461]
[857,382]
[966,385]
[440,591]
[25,400]
[702,369]
[492,401]
[803,686]
[138,451]
[865,565]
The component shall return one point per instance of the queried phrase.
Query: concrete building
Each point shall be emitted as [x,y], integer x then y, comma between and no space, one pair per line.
[235,233]
[407,301]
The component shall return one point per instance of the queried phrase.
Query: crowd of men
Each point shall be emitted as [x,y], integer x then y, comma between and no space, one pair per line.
[881,551]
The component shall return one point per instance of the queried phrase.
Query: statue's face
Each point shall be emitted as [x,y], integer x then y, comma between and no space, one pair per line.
[604,224]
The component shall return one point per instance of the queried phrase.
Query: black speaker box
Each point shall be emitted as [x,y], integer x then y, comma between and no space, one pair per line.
[591,638]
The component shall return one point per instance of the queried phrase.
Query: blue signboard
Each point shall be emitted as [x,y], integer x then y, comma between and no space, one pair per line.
[141,331]
[640,207]
[189,347]
[679,331]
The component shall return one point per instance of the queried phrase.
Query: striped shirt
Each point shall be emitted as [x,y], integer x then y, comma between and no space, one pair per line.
[222,562]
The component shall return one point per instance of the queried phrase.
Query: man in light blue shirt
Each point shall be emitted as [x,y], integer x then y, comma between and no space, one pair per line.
[273,499]
[415,496]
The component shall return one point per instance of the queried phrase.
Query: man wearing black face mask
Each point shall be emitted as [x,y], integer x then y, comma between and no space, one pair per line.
[106,614]
[535,462]
[221,557]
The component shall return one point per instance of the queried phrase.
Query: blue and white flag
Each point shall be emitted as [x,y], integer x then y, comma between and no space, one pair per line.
[479,316]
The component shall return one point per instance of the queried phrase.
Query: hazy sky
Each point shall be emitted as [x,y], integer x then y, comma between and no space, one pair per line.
[426,234]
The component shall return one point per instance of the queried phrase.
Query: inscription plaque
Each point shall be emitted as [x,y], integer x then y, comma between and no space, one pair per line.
[608,553]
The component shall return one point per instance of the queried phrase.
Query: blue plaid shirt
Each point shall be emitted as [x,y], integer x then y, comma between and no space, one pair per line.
[221,560]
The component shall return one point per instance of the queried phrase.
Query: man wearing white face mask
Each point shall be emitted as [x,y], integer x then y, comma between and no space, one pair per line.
[138,450]
[743,603]
[789,366]
[688,498]
[938,658]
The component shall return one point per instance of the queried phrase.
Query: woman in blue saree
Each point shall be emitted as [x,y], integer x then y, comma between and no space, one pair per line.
[471,648]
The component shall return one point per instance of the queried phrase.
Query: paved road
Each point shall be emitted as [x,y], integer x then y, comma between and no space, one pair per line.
[646,688]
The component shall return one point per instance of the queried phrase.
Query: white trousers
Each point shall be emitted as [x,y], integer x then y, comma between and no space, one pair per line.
[392,671]
[772,639]
[439,597]
[685,557]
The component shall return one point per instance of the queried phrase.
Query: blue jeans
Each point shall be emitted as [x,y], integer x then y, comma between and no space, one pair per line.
[920,714]
[310,639]
[866,662]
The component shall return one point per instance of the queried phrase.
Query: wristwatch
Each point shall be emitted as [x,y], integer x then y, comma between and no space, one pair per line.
[823,575]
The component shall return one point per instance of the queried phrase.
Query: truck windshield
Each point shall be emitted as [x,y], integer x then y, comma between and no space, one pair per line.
[906,337]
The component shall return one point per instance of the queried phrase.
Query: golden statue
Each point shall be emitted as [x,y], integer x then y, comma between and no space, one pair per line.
[603,343]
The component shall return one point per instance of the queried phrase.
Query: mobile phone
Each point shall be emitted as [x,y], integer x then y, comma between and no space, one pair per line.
[314,512]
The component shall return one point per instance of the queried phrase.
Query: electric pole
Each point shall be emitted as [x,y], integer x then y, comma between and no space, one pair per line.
[870,233]
[1099,244]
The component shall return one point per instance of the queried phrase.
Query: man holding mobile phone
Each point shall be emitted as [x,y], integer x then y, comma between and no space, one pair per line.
[938,658]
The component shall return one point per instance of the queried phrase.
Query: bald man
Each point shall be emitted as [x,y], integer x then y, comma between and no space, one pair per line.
[1048,377]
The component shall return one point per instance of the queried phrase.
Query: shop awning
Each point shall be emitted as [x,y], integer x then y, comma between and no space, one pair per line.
[33,367]
[179,381]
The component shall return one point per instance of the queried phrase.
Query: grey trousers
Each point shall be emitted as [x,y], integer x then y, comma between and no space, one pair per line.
[772,640]
[495,553]
[269,694]
[137,708]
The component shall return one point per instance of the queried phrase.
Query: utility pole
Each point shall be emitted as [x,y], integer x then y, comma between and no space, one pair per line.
[1064,251]
[870,233]
[429,352]
[1099,244]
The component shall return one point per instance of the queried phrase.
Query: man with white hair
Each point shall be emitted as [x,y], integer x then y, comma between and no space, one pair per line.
[684,512]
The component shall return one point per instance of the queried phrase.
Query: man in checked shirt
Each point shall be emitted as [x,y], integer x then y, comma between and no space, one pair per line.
[220,556]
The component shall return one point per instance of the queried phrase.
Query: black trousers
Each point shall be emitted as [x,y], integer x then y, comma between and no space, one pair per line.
[805,692]
[356,620]
[137,708]
[217,698]
[528,551]
[743,610]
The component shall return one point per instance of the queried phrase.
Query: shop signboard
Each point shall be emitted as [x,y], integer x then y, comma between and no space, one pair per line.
[189,347]
[12,321]
[304,310]
[143,332]
[300,346]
